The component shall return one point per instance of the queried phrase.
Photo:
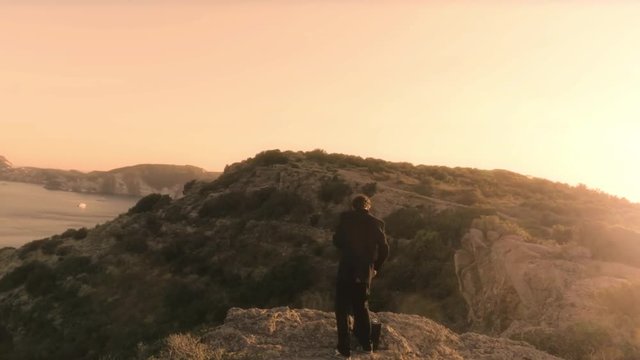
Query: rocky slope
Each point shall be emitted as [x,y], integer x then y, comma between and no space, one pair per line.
[259,236]
[138,180]
[557,297]
[302,334]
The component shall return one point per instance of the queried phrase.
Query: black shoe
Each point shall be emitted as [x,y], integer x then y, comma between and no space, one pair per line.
[367,348]
[342,354]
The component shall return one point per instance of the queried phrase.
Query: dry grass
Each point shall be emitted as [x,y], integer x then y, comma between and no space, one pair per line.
[186,347]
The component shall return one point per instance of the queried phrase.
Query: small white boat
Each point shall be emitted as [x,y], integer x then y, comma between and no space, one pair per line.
[82,205]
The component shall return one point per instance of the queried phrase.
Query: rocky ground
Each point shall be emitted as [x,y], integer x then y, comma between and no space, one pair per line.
[284,333]
[556,297]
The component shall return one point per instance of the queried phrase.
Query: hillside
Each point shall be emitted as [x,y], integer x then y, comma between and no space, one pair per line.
[259,236]
[138,180]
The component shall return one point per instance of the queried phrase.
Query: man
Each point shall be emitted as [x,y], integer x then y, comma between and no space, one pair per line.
[363,248]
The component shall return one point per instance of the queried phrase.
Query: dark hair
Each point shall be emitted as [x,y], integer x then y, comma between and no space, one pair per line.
[360,202]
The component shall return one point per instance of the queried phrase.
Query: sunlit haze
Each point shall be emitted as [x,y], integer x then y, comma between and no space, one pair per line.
[548,89]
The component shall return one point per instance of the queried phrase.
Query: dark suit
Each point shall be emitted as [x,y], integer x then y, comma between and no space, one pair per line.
[363,248]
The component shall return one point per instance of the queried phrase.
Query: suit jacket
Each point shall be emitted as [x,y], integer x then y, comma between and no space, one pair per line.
[363,245]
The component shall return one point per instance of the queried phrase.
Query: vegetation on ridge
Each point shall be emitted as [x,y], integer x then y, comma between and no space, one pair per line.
[259,235]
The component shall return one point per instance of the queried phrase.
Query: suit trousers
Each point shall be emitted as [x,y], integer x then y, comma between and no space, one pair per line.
[352,298]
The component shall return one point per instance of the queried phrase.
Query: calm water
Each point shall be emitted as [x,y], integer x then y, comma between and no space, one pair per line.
[30,212]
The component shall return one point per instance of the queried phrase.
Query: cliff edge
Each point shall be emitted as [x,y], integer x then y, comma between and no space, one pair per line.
[284,333]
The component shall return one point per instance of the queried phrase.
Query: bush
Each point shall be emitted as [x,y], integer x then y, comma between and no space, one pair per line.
[186,304]
[267,203]
[405,222]
[49,247]
[283,283]
[227,204]
[30,247]
[16,277]
[75,265]
[279,204]
[370,189]
[270,157]
[469,196]
[334,190]
[38,278]
[41,280]
[150,202]
[81,234]
[75,234]
[136,244]
[6,340]
[372,165]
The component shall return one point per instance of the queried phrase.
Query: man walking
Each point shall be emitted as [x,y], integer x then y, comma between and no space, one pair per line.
[363,248]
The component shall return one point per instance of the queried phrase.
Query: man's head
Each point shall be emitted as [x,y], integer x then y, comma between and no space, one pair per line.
[361,202]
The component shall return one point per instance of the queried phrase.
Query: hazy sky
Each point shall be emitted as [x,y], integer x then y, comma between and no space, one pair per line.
[545,88]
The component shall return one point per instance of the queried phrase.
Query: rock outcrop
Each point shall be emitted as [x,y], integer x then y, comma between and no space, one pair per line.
[284,333]
[531,291]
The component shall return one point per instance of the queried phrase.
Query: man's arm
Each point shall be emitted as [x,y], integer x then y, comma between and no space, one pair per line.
[383,246]
[340,234]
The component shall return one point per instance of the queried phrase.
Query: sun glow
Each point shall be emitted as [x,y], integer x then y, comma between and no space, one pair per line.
[542,88]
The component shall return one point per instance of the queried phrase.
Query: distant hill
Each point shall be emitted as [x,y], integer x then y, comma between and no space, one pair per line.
[259,235]
[4,163]
[138,180]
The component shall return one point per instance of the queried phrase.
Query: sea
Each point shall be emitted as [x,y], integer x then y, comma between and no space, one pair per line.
[30,212]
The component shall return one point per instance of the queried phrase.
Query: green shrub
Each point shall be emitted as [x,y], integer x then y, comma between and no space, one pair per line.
[6,340]
[279,204]
[75,265]
[81,233]
[405,222]
[185,304]
[468,196]
[334,190]
[270,157]
[38,278]
[64,250]
[372,165]
[136,244]
[370,189]
[78,234]
[282,283]
[16,277]
[31,247]
[49,247]
[153,224]
[267,203]
[149,203]
[227,204]
[41,281]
